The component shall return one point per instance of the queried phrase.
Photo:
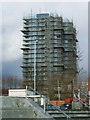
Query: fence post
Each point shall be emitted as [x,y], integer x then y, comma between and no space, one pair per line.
[26,92]
[44,105]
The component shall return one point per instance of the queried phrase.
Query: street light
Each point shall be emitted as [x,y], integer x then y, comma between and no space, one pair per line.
[35,66]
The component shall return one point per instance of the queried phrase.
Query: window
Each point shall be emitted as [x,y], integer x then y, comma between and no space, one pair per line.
[55,55]
[58,36]
[65,58]
[65,41]
[65,45]
[55,59]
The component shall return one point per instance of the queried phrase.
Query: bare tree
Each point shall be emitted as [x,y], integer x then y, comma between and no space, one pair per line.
[10,82]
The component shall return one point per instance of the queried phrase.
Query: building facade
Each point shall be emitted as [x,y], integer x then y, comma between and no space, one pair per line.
[49,55]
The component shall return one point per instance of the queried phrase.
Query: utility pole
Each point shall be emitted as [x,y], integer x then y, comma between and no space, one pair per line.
[73,88]
[58,90]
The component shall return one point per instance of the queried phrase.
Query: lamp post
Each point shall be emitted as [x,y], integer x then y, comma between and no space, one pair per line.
[35,66]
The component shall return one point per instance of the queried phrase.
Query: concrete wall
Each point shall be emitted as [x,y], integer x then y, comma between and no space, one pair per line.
[13,107]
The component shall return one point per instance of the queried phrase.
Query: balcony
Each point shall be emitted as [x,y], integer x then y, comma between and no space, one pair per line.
[26,26]
[69,49]
[76,40]
[25,66]
[26,58]
[69,32]
[41,33]
[25,53]
[56,42]
[42,46]
[58,27]
[26,23]
[58,46]
[25,48]
[68,67]
[25,19]
[25,72]
[27,35]
[25,31]
[58,64]
[44,65]
[26,44]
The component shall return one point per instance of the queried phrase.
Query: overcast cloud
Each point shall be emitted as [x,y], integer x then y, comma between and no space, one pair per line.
[44,0]
[12,23]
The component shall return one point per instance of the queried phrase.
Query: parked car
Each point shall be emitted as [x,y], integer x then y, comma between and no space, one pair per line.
[65,106]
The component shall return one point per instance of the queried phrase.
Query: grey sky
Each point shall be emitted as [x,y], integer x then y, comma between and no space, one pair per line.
[12,23]
[44,1]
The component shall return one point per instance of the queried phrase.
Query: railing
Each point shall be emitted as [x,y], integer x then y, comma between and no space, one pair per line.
[84,103]
[85,94]
[48,102]
[81,101]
